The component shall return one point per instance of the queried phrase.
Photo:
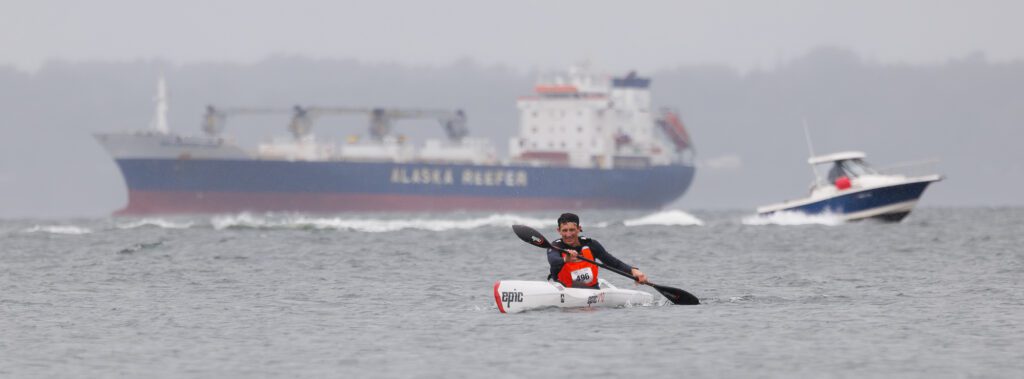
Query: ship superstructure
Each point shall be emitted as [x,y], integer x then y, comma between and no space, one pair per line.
[596,121]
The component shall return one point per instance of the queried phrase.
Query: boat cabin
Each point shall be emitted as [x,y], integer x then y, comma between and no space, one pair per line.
[846,166]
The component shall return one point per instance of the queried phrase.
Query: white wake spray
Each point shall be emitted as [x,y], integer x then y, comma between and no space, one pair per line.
[794,218]
[672,217]
[155,222]
[58,229]
[371,225]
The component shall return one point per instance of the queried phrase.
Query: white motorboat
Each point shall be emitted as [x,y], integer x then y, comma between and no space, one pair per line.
[853,191]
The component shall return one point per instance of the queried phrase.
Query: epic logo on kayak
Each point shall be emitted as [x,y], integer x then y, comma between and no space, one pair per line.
[510,297]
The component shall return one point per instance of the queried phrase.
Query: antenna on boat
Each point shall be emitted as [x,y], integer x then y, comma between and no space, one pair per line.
[810,149]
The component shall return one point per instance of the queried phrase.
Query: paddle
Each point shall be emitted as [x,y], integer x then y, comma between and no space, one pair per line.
[675,295]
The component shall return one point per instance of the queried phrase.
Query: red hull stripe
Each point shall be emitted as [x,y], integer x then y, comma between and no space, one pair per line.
[497,298]
[154,202]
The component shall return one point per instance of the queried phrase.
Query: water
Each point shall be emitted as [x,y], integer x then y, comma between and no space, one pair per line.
[361,295]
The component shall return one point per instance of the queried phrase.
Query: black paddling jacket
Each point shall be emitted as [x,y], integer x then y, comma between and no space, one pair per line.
[600,255]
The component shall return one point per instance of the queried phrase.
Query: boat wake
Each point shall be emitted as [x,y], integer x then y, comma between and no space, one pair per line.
[370,225]
[672,217]
[155,222]
[794,218]
[773,299]
[356,223]
[58,229]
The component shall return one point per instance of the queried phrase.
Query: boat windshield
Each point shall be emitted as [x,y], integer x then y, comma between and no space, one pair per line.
[850,168]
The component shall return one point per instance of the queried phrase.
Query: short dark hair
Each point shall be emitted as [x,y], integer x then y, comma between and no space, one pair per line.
[567,218]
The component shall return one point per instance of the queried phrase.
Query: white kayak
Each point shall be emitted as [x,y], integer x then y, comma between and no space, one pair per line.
[513,296]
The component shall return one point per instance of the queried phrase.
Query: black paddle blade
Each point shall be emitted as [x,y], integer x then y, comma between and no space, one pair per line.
[676,295]
[530,236]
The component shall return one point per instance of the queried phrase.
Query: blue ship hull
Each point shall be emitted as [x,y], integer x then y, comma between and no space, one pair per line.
[214,185]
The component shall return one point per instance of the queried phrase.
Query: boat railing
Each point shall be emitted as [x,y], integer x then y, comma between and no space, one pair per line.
[912,168]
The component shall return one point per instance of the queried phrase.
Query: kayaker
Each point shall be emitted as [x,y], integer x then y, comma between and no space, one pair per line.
[569,269]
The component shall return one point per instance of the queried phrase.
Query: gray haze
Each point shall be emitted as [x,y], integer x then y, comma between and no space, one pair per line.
[901,81]
[644,35]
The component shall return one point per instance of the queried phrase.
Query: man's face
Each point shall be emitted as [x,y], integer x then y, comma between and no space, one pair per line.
[570,233]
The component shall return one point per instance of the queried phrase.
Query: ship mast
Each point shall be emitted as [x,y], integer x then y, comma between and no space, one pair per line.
[159,121]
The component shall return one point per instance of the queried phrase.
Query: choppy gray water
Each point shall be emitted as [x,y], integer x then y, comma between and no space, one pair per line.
[939,295]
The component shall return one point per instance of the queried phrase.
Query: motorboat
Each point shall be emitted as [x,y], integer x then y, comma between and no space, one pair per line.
[853,190]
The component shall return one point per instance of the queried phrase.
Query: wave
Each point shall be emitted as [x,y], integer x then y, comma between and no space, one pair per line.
[155,222]
[673,217]
[371,225]
[58,229]
[140,246]
[773,299]
[794,218]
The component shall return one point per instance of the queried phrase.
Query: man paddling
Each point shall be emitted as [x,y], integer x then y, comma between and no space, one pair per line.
[568,269]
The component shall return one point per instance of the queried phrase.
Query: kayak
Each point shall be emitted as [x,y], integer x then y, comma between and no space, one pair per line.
[514,296]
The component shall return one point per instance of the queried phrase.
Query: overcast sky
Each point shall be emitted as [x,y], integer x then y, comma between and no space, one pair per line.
[644,35]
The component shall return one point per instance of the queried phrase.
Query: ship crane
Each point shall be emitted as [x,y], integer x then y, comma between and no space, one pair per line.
[453,122]
[215,118]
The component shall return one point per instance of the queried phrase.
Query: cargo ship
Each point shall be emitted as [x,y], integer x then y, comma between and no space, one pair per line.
[585,141]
